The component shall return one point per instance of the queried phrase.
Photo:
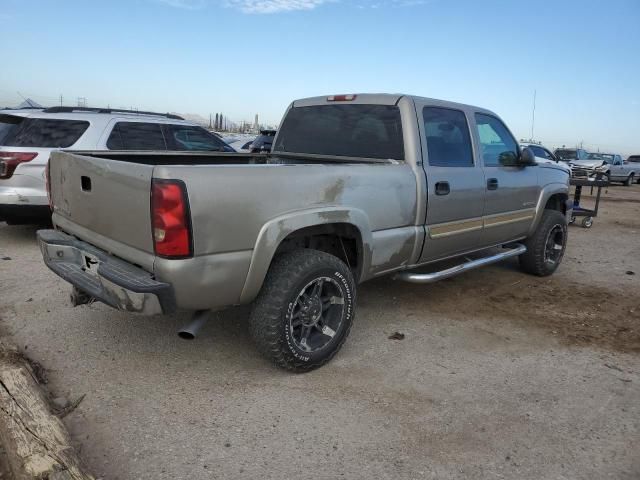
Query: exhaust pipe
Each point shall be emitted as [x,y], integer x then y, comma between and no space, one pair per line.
[189,332]
[80,297]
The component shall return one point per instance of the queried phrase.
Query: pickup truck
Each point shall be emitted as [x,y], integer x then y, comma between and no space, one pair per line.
[356,187]
[618,170]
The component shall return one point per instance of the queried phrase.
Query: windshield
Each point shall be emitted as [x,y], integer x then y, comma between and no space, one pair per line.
[595,156]
[566,154]
[365,131]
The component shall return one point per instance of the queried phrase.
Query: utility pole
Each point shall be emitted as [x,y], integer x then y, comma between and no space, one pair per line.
[60,99]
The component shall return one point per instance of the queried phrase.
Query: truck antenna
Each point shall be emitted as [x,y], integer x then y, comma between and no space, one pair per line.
[533,115]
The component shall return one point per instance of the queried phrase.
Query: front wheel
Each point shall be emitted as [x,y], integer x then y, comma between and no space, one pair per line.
[545,248]
[305,310]
[628,181]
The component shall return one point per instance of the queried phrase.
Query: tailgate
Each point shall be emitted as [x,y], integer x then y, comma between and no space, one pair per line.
[110,198]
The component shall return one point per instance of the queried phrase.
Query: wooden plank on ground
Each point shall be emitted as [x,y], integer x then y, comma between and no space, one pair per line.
[36,442]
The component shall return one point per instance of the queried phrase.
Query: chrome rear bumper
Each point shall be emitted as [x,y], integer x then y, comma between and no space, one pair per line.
[106,278]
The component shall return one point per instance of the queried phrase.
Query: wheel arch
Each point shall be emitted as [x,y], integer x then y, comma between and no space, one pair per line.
[342,231]
[554,196]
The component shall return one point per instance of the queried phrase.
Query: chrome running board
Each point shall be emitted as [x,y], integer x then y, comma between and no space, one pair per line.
[414,277]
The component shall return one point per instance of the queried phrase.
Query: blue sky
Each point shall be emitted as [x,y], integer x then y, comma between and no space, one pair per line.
[243,57]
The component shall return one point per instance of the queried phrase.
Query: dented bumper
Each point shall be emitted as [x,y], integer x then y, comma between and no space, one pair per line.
[106,278]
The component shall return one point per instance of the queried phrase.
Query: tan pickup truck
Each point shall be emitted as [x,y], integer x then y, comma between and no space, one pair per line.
[356,187]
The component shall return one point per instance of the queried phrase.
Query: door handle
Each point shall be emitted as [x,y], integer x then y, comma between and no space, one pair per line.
[442,188]
[492,184]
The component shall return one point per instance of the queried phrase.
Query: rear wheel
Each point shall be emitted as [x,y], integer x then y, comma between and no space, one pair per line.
[305,310]
[545,248]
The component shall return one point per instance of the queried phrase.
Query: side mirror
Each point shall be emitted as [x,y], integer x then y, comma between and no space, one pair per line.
[508,159]
[527,158]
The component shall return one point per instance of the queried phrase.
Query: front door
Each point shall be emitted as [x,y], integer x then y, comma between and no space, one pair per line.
[455,183]
[511,192]
[616,170]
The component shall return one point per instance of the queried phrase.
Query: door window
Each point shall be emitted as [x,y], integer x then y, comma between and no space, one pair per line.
[187,137]
[538,151]
[498,145]
[448,139]
[136,136]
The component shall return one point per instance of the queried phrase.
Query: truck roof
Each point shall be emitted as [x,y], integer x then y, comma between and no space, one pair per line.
[382,99]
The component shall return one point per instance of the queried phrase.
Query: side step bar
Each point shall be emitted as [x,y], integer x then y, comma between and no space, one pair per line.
[414,277]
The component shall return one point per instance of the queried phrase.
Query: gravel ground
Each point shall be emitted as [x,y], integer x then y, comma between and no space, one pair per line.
[500,375]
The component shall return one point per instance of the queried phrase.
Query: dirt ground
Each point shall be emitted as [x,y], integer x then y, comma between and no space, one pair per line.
[499,375]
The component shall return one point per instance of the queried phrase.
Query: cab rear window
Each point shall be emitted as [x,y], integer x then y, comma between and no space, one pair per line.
[365,131]
[16,131]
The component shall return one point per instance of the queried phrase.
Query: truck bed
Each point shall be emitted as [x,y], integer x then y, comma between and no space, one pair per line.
[104,198]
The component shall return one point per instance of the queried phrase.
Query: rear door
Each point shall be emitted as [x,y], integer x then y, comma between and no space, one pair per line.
[127,135]
[455,182]
[511,192]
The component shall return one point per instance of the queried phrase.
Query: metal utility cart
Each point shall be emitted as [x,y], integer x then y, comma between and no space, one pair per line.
[578,211]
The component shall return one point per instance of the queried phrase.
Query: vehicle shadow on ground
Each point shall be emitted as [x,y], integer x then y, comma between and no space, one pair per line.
[20,233]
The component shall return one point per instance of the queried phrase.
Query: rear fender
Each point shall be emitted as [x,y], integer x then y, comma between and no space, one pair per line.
[279,228]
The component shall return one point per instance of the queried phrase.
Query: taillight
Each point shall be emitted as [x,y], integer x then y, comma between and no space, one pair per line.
[171,219]
[9,161]
[341,98]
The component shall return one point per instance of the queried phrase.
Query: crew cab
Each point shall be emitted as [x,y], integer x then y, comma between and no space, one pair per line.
[356,187]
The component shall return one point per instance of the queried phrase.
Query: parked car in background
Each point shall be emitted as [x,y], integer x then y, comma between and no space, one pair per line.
[544,155]
[263,142]
[28,136]
[242,144]
[367,185]
[634,159]
[579,162]
[617,169]
[571,154]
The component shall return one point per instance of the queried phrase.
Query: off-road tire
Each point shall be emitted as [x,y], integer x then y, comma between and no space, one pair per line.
[269,320]
[533,260]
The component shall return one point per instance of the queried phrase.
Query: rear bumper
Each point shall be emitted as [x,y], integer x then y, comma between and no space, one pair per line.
[23,190]
[107,278]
